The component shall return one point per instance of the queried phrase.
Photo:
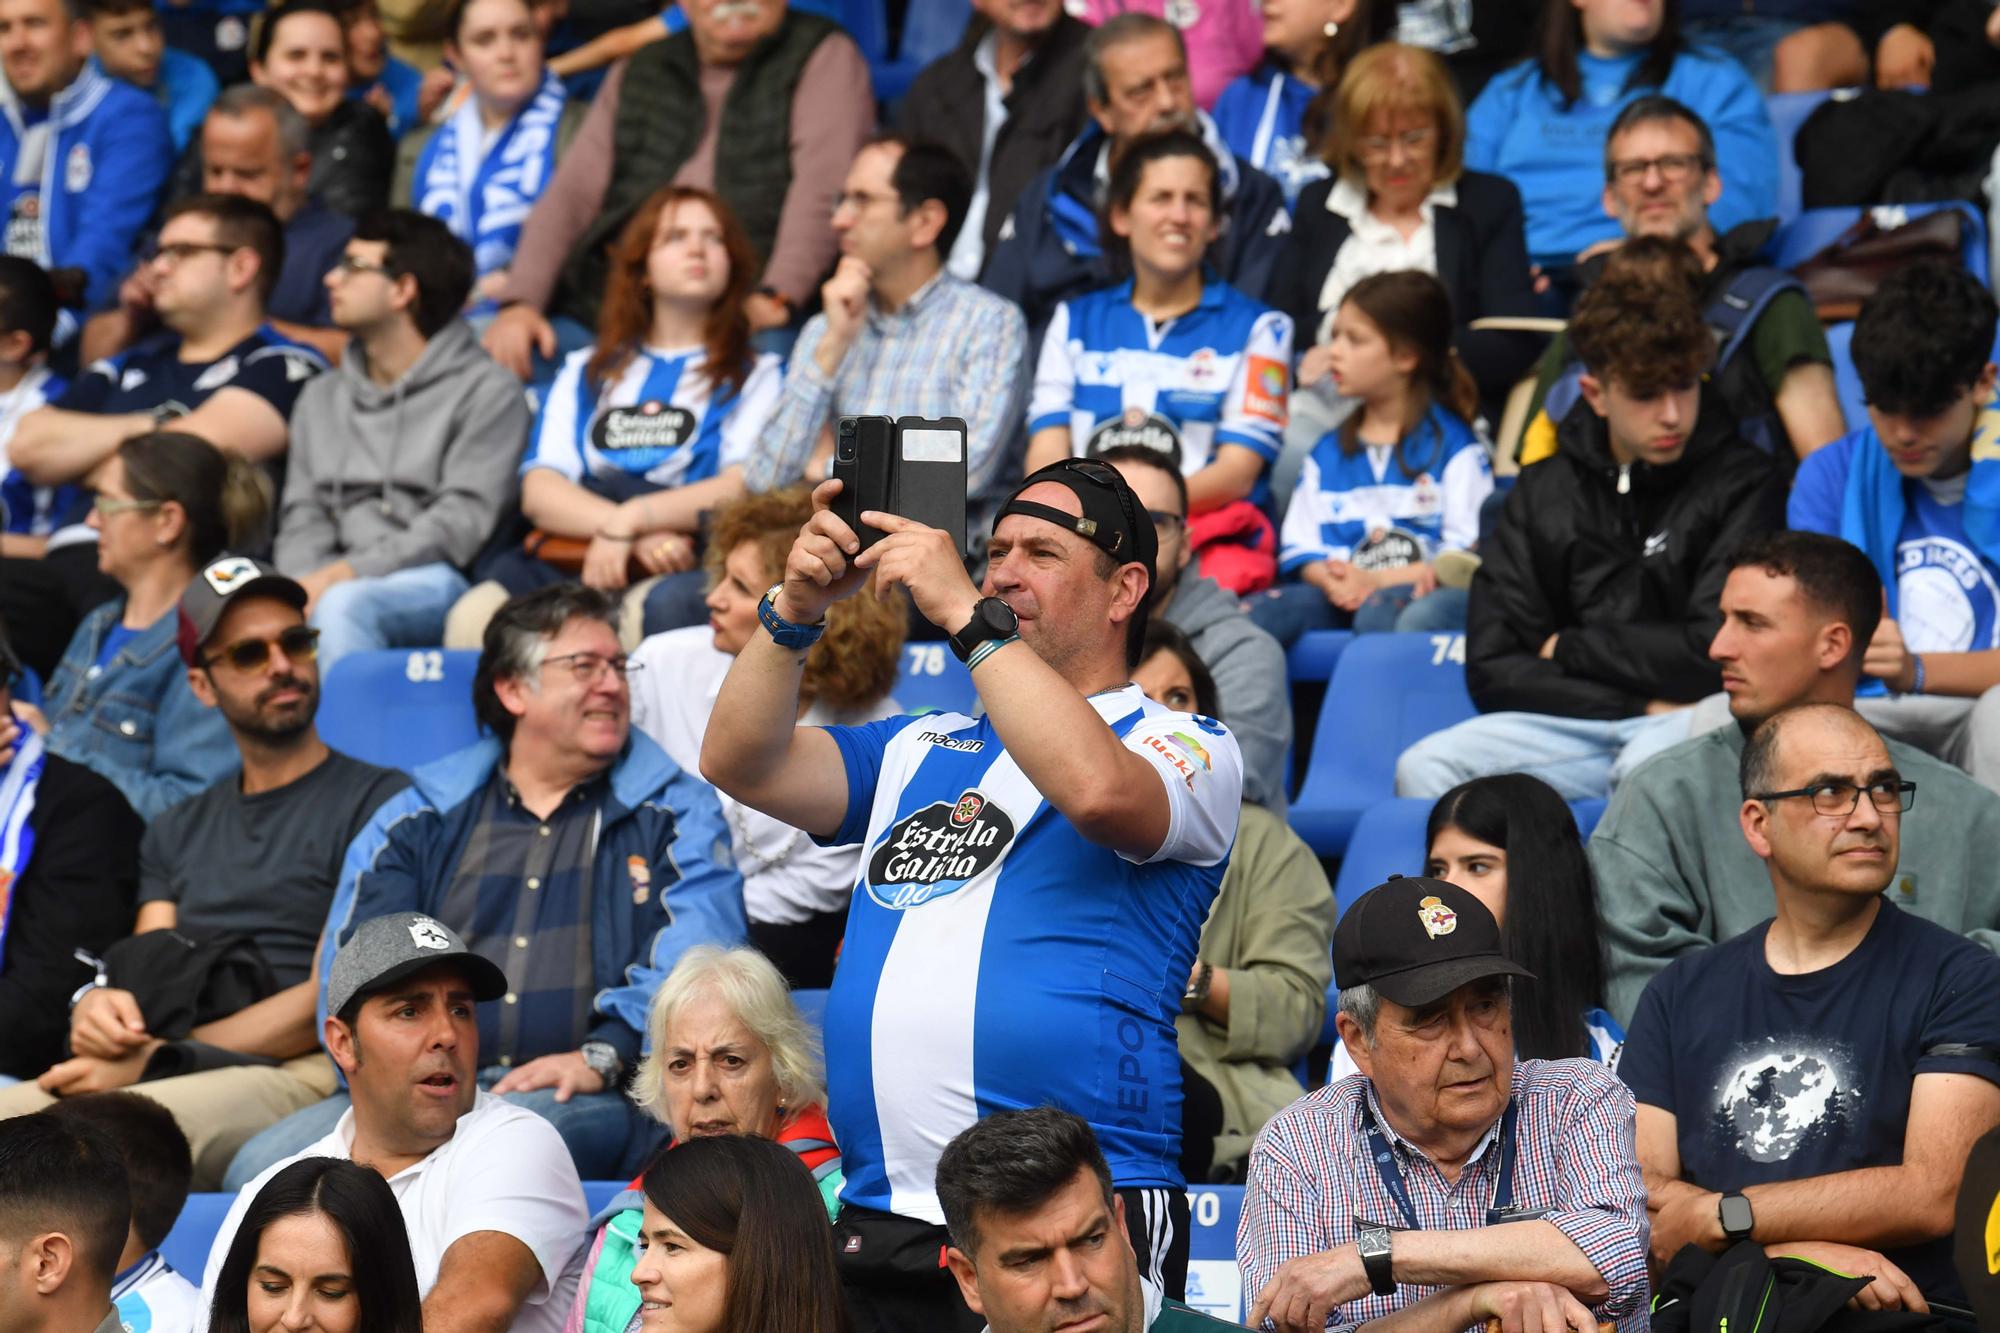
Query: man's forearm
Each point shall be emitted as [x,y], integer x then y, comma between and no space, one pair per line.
[1961,675]
[1881,1207]
[279,1026]
[1448,1311]
[754,721]
[52,446]
[1532,1251]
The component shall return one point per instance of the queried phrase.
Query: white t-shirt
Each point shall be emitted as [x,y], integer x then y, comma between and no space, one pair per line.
[504,1169]
[787,877]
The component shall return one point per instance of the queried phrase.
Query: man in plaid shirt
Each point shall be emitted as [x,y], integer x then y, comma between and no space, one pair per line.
[1446,1184]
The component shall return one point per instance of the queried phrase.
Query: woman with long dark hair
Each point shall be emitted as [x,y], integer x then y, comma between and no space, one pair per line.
[322,1247]
[1173,358]
[1512,842]
[1542,124]
[167,504]
[734,1238]
[648,429]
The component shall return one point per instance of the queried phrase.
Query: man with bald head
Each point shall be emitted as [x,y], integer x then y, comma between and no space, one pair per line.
[1816,1083]
[1036,880]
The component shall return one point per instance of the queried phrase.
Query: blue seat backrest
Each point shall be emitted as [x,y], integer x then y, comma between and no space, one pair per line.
[1315,653]
[1214,1284]
[931,28]
[1388,840]
[400,707]
[1847,384]
[1788,113]
[1387,692]
[931,680]
[812,1007]
[187,1245]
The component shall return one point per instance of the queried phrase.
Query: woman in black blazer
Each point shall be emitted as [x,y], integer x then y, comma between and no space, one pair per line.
[1396,145]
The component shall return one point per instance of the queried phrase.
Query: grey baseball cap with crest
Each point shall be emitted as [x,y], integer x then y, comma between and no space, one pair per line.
[384,950]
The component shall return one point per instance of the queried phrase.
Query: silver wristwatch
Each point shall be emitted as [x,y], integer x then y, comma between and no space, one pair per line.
[602,1057]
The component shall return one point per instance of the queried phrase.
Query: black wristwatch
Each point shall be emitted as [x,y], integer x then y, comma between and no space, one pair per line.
[1373,1243]
[1737,1219]
[992,619]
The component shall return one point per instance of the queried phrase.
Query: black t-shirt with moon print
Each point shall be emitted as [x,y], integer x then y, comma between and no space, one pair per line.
[1777,1078]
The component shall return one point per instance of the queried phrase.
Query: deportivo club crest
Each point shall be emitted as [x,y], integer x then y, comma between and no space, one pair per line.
[1437,918]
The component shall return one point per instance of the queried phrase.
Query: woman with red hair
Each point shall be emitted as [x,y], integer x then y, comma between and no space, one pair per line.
[647,430]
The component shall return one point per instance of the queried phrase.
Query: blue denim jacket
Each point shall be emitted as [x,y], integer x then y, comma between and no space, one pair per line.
[135,721]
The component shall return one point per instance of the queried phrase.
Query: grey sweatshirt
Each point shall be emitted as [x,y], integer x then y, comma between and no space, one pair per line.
[1249,670]
[1674,872]
[412,473]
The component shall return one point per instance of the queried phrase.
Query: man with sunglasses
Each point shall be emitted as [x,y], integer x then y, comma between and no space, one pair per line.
[69,863]
[569,851]
[1026,918]
[1816,1083]
[258,853]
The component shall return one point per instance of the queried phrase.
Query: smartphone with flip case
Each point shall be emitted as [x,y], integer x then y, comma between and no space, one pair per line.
[912,466]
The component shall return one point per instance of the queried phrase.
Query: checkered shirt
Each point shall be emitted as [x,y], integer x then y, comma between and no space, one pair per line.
[1311,1176]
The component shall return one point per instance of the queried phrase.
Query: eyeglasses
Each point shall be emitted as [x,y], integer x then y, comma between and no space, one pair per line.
[1673,168]
[589,668]
[348,265]
[175,251]
[860,199]
[299,643]
[1164,521]
[1375,147]
[107,507]
[1890,796]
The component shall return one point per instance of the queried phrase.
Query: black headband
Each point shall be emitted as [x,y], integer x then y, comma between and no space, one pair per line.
[1112,519]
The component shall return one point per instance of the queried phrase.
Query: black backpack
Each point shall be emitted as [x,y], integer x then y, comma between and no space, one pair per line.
[1743,1290]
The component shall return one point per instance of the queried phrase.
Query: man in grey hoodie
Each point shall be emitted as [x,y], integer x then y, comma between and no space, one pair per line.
[1674,872]
[403,461]
[1248,665]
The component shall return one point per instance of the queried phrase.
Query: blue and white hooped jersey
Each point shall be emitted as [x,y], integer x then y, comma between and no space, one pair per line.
[995,960]
[1382,507]
[1947,598]
[1219,374]
[151,1297]
[655,422]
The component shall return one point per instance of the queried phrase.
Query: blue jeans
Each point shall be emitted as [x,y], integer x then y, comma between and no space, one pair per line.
[405,609]
[1291,609]
[608,1137]
[677,601]
[1582,758]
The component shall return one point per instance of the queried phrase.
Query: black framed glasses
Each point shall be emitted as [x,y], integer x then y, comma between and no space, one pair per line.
[588,668]
[1674,167]
[299,643]
[1890,796]
[347,266]
[173,252]
[1164,520]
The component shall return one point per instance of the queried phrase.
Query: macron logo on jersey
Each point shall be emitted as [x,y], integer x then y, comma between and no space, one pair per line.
[936,850]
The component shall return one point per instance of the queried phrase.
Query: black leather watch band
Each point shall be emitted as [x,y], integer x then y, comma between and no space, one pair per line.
[1377,1262]
[991,619]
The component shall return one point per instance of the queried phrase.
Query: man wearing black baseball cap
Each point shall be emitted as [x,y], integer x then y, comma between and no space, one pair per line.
[488,1193]
[257,853]
[1023,865]
[1447,1181]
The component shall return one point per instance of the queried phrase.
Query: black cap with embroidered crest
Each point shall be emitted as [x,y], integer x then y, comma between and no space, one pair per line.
[1417,940]
[220,582]
[385,949]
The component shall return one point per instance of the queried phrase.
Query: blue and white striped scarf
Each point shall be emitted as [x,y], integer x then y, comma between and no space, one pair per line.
[485,197]
[17,836]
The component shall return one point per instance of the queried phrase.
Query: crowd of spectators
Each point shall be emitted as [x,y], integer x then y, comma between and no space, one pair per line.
[527,327]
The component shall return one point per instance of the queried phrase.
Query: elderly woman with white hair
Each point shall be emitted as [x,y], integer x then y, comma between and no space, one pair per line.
[727,1053]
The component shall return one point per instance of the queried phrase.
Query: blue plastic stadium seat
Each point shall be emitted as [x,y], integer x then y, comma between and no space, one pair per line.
[1387,692]
[597,1193]
[812,1007]
[1313,656]
[1214,1283]
[400,708]
[187,1245]
[1846,384]
[1788,113]
[1817,228]
[1388,840]
[931,680]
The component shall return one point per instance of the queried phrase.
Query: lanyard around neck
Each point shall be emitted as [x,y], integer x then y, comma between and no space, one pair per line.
[1502,1209]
